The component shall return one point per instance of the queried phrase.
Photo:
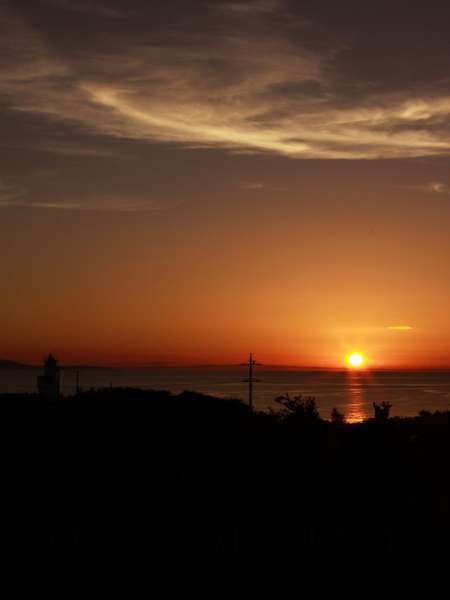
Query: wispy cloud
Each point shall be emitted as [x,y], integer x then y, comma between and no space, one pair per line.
[372,330]
[11,195]
[438,187]
[252,185]
[81,150]
[433,187]
[15,196]
[89,8]
[241,85]
[252,6]
[93,204]
[103,204]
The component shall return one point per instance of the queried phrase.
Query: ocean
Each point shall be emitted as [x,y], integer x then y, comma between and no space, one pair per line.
[351,392]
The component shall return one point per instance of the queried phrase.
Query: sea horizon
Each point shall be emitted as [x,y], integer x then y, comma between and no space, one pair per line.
[350,391]
[265,366]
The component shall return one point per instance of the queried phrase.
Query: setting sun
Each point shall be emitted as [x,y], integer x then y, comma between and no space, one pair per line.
[355,360]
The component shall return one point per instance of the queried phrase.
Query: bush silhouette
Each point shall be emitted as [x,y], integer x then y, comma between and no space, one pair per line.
[382,411]
[337,417]
[301,408]
[424,413]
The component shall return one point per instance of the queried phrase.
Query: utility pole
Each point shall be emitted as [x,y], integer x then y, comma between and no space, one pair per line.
[251,380]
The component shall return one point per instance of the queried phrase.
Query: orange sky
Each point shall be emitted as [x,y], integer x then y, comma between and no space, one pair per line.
[301,284]
[187,184]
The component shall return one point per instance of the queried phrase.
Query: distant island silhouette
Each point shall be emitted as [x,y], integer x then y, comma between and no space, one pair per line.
[11,364]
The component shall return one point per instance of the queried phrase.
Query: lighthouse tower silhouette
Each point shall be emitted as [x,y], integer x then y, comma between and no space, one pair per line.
[48,383]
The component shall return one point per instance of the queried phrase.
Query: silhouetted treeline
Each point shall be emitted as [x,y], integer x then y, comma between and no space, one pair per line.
[191,475]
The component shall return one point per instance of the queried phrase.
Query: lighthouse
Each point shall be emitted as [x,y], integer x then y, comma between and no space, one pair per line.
[48,383]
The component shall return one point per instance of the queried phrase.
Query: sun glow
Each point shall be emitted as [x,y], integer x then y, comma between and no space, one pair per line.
[355,360]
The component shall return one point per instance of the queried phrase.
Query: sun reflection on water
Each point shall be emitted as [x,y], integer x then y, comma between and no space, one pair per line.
[356,410]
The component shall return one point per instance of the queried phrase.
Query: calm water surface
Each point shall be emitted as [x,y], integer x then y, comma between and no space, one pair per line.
[351,392]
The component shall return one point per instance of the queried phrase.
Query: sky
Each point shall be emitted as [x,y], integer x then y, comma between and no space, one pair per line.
[185,182]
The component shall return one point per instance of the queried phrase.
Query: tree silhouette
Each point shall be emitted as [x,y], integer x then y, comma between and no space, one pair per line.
[382,411]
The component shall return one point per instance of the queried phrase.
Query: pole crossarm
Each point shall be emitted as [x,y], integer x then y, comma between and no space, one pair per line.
[250,380]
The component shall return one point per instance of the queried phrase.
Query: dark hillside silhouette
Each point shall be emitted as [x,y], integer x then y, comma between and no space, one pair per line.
[194,476]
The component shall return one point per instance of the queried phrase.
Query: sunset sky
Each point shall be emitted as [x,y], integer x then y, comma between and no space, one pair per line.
[186,182]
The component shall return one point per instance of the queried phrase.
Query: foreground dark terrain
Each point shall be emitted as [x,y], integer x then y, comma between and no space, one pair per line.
[193,476]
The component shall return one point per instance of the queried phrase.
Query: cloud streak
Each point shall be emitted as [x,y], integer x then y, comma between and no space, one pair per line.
[438,187]
[89,8]
[102,204]
[19,198]
[239,85]
[433,187]
[11,195]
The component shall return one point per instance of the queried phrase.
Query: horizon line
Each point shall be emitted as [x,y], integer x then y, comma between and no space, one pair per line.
[271,366]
